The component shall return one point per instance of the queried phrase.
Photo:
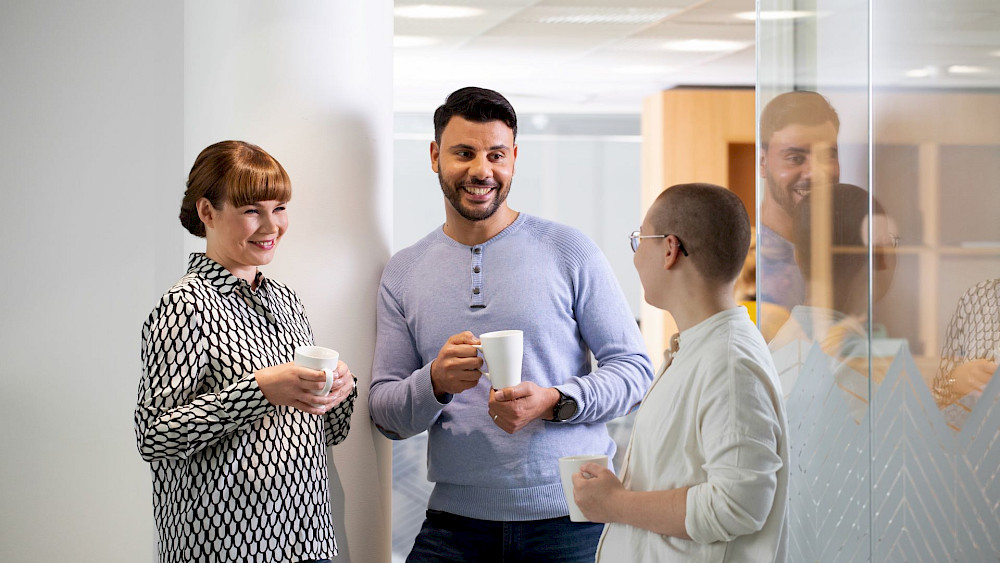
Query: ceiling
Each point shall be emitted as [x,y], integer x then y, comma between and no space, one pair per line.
[581,55]
[604,56]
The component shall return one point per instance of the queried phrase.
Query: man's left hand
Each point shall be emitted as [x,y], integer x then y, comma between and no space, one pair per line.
[513,408]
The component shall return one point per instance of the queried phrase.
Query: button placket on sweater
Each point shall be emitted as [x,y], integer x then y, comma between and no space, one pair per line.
[477,278]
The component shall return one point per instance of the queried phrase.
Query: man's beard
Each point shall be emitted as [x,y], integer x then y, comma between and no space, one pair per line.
[453,192]
[785,197]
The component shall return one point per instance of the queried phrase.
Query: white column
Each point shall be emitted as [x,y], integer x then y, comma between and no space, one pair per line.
[91,111]
[311,83]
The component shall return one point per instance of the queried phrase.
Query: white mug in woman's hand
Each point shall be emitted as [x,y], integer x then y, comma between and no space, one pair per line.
[321,359]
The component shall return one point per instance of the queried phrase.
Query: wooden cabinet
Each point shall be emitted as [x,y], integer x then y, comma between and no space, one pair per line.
[694,135]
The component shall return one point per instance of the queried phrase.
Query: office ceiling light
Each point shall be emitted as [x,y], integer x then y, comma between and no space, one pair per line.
[920,72]
[775,15]
[643,69]
[406,41]
[631,16]
[436,12]
[704,45]
[967,69]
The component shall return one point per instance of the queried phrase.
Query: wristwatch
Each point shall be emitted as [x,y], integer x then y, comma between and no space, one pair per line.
[564,409]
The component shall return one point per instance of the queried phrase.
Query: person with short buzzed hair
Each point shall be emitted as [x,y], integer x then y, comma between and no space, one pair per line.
[705,477]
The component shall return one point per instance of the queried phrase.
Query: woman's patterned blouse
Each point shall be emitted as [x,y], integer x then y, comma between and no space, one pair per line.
[235,478]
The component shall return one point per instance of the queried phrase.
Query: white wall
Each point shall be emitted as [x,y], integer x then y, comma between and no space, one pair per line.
[311,82]
[103,110]
[91,139]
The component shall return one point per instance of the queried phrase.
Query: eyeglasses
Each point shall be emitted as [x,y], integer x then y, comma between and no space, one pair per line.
[635,236]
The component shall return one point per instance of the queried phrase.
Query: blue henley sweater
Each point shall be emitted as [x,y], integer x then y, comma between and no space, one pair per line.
[553,283]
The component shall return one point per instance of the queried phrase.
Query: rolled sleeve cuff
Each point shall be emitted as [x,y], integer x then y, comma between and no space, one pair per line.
[700,522]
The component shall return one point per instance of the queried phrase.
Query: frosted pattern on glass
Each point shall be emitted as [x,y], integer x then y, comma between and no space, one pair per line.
[925,491]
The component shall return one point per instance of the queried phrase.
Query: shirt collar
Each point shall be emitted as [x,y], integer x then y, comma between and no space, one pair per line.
[705,328]
[218,276]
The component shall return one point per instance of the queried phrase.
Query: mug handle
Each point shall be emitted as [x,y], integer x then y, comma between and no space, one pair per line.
[328,386]
[480,348]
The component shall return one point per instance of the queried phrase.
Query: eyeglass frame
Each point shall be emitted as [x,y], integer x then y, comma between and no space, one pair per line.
[635,236]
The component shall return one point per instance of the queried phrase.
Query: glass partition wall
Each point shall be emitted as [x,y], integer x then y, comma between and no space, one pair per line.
[879,257]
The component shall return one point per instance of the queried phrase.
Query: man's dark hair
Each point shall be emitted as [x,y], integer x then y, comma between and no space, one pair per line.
[474,104]
[802,107]
[712,224]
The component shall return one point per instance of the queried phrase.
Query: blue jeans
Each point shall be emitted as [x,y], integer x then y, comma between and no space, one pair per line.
[449,537]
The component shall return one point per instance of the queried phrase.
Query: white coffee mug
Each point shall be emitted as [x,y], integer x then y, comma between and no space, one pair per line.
[503,351]
[568,466]
[321,359]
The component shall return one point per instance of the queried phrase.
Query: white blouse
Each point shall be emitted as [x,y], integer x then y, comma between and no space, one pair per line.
[234,477]
[713,420]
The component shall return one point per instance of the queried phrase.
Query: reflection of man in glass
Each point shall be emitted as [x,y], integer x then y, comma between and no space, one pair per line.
[798,133]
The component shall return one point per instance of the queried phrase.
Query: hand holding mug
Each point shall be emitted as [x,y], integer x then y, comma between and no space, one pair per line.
[294,386]
[343,385]
[592,488]
[456,367]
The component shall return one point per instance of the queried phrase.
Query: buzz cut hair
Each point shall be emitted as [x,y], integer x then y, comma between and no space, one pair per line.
[712,224]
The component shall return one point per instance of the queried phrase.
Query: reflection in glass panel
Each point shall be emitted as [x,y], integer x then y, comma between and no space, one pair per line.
[892,393]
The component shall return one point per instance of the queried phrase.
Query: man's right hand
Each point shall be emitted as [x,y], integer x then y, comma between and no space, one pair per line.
[456,367]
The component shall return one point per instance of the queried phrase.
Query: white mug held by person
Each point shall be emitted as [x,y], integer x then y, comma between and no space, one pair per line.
[503,351]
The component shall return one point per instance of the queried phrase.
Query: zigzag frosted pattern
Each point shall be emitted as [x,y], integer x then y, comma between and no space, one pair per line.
[933,492]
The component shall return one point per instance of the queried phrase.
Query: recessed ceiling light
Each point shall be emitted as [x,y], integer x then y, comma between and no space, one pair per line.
[609,16]
[919,72]
[967,69]
[434,12]
[643,69]
[704,45]
[772,15]
[405,41]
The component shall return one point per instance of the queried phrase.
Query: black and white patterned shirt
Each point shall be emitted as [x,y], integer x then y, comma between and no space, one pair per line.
[235,478]
[973,333]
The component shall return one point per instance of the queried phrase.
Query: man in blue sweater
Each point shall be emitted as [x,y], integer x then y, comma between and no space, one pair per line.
[493,455]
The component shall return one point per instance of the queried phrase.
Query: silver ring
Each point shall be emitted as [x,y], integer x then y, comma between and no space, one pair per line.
[495,417]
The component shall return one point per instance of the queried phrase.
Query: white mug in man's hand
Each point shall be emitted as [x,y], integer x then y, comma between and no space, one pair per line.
[503,351]
[320,359]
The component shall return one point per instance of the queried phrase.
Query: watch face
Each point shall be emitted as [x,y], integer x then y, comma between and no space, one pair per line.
[567,409]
